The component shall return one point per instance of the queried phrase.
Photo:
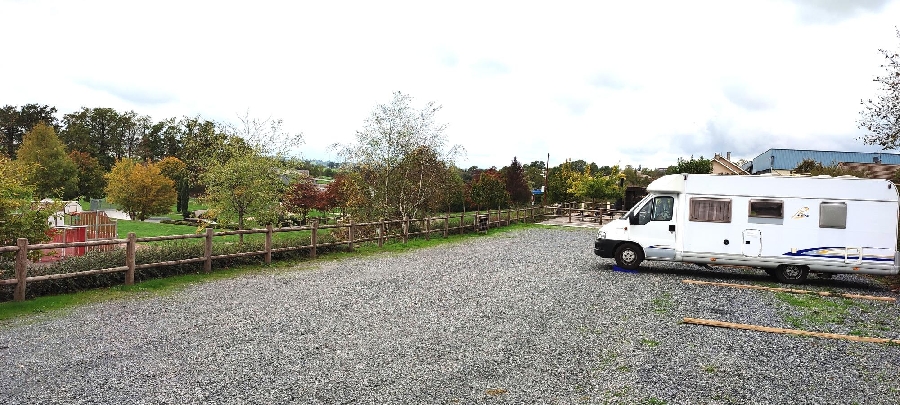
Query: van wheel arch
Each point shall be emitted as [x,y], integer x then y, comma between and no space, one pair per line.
[629,256]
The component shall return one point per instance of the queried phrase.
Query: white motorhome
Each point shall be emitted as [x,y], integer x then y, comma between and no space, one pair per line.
[787,225]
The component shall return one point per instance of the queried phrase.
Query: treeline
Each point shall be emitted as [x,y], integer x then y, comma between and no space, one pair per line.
[400,165]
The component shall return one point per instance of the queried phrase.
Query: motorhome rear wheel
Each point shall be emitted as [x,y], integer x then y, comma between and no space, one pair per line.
[791,273]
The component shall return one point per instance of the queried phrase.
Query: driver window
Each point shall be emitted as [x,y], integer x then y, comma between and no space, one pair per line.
[662,208]
[659,209]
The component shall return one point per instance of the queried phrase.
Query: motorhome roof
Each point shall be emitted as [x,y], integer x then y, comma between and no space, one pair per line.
[777,186]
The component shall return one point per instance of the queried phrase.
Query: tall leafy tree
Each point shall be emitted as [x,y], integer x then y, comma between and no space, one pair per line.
[488,190]
[246,184]
[396,143]
[96,131]
[139,189]
[160,140]
[597,187]
[91,176]
[176,170]
[534,174]
[516,185]
[559,183]
[15,122]
[450,192]
[48,168]
[881,115]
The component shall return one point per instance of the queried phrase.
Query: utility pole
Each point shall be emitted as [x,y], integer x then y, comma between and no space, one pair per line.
[546,173]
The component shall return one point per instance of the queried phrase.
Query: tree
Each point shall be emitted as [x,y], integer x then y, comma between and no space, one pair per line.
[346,193]
[15,123]
[450,193]
[516,185]
[176,170]
[49,169]
[637,176]
[488,190]
[91,180]
[395,144]
[19,216]
[693,166]
[559,182]
[139,189]
[534,174]
[597,187]
[245,185]
[881,116]
[302,196]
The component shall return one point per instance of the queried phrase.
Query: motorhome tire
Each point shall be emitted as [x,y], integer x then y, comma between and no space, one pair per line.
[791,273]
[629,256]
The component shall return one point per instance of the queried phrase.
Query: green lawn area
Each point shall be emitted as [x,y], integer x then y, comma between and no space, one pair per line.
[145,229]
[148,229]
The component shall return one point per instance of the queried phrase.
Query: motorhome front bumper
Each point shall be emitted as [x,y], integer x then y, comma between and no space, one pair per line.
[605,247]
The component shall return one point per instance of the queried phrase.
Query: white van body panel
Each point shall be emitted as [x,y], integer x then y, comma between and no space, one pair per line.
[867,242]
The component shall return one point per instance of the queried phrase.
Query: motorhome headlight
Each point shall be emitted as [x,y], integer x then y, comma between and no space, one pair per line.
[601,235]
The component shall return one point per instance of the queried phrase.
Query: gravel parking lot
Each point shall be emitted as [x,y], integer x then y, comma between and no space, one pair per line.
[528,316]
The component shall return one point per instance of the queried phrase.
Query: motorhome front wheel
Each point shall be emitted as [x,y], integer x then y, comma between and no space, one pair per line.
[629,256]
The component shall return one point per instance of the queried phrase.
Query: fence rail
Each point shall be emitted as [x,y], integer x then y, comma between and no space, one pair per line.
[379,232]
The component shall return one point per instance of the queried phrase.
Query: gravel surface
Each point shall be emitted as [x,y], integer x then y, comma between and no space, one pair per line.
[528,316]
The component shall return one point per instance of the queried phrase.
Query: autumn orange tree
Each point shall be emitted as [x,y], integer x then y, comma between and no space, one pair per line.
[139,189]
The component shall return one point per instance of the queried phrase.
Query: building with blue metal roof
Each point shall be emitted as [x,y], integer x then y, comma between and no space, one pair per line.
[785,160]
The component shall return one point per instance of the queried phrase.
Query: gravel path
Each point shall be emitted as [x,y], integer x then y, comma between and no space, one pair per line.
[529,316]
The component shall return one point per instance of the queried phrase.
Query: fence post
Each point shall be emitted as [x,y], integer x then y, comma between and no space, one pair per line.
[427,227]
[507,217]
[129,258]
[268,244]
[462,223]
[405,229]
[21,268]
[312,239]
[446,224]
[350,234]
[207,251]
[381,233]
[570,215]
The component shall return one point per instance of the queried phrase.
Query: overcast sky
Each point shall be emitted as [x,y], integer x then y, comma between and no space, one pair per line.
[613,82]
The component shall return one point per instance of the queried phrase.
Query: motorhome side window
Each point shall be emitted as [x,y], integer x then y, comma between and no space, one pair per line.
[766,209]
[658,209]
[833,215]
[710,210]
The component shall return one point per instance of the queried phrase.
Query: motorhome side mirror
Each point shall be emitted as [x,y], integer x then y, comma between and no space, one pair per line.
[633,219]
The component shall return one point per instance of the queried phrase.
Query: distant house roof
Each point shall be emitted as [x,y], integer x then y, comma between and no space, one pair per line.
[774,160]
[722,165]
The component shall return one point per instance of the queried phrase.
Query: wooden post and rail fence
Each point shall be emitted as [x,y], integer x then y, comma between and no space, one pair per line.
[376,232]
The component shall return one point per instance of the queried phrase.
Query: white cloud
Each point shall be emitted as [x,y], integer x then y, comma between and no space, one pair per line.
[609,82]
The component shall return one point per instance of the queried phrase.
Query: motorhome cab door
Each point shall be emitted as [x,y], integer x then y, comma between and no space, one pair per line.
[653,227]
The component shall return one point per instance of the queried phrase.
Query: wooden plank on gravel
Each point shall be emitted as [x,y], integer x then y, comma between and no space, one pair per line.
[758,328]
[792,290]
